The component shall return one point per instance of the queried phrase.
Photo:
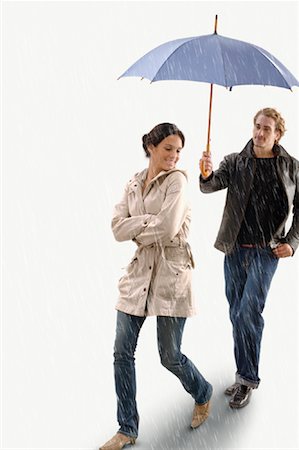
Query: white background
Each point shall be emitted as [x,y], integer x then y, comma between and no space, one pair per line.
[71,138]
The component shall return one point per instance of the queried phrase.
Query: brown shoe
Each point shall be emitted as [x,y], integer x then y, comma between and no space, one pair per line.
[118,442]
[241,397]
[231,389]
[200,414]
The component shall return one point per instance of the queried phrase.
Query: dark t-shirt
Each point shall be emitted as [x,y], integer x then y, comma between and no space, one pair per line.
[266,206]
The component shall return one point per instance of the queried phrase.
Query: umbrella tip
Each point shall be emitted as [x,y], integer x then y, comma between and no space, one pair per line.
[216,22]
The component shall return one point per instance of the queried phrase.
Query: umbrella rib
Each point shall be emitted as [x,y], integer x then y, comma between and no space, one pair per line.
[274,65]
[172,53]
[223,65]
[179,47]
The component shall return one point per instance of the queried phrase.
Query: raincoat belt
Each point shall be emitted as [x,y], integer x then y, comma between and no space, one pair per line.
[178,242]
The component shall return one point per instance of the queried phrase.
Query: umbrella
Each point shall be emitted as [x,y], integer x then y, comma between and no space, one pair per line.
[214,59]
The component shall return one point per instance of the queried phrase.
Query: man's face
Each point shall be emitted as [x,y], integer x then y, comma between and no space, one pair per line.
[264,133]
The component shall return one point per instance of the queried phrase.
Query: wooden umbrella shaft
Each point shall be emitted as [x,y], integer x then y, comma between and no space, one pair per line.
[211,97]
[210,116]
[202,166]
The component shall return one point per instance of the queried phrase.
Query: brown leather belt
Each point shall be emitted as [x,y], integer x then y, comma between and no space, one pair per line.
[252,245]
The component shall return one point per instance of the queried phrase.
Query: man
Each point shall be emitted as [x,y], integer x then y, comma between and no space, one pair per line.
[262,183]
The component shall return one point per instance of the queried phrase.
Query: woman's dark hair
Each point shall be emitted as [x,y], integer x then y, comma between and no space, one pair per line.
[158,133]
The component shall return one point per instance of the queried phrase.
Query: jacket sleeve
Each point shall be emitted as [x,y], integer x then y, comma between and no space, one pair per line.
[218,179]
[124,226]
[292,237]
[165,225]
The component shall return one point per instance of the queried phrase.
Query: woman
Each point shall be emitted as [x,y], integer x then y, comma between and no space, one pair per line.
[154,214]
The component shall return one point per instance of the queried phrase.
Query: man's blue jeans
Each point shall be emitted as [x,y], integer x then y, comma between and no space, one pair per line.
[169,334]
[248,274]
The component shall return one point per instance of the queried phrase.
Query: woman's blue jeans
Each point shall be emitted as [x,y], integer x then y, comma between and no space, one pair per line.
[169,334]
[248,275]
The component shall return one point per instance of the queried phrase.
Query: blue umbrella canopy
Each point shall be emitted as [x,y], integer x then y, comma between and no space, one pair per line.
[213,59]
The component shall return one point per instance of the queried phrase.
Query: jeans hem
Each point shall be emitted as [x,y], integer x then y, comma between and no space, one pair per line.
[208,394]
[249,383]
[127,434]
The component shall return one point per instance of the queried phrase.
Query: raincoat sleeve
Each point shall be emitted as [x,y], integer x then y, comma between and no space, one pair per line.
[124,226]
[292,237]
[165,225]
[219,179]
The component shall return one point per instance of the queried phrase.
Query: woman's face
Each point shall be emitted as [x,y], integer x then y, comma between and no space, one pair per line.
[166,154]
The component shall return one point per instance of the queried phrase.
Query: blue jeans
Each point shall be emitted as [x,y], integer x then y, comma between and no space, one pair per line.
[248,274]
[169,334]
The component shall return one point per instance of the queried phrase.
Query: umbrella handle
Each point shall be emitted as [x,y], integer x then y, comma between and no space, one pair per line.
[203,170]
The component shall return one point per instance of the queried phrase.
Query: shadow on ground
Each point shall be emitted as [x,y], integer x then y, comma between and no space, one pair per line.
[169,428]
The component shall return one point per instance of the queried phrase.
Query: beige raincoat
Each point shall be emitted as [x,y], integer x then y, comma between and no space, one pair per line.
[157,281]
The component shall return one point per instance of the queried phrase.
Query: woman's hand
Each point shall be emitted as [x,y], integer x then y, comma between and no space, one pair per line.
[206,165]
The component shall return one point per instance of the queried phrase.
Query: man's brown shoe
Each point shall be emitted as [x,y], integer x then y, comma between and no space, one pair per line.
[200,414]
[231,389]
[241,397]
[118,442]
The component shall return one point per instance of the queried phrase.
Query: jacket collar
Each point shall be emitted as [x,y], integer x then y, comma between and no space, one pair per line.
[278,150]
[141,176]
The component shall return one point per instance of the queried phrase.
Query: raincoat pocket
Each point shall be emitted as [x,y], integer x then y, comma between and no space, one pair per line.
[125,284]
[174,280]
[177,254]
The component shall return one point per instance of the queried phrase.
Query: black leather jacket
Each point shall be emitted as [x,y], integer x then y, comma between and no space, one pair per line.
[236,173]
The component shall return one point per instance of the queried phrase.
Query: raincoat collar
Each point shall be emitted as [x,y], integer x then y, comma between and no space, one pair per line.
[141,176]
[278,150]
